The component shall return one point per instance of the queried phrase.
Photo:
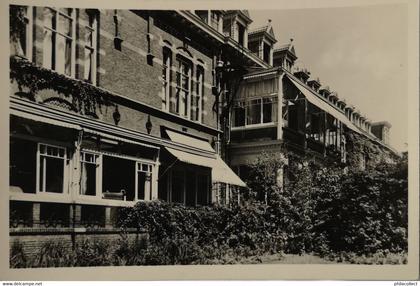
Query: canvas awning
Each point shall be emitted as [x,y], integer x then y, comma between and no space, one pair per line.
[44,119]
[315,100]
[220,171]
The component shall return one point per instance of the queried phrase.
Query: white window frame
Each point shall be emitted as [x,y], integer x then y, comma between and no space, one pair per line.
[149,177]
[56,32]
[98,173]
[183,102]
[40,157]
[261,123]
[93,29]
[129,158]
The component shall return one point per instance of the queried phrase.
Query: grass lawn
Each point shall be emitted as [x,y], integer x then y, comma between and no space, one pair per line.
[299,259]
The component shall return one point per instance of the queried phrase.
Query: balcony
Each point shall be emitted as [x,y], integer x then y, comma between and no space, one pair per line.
[315,145]
[294,138]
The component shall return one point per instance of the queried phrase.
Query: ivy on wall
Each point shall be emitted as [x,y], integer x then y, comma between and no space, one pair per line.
[32,78]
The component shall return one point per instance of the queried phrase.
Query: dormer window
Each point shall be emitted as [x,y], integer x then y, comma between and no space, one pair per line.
[214,20]
[241,34]
[203,14]
[267,53]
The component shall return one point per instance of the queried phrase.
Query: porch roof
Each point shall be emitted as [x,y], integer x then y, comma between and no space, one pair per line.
[221,172]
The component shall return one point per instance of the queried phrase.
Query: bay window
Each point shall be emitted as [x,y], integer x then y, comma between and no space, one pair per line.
[254,112]
[269,110]
[90,47]
[58,43]
[239,114]
[52,168]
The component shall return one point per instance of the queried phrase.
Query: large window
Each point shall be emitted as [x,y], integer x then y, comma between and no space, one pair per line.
[90,47]
[126,179]
[52,170]
[254,112]
[58,44]
[183,87]
[187,98]
[166,77]
[185,185]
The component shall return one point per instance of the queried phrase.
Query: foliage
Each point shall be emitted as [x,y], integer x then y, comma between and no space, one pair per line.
[33,78]
[345,216]
[325,210]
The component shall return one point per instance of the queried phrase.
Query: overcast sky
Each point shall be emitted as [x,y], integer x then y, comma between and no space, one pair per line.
[360,52]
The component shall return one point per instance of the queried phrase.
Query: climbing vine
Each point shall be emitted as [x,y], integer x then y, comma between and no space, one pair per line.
[32,79]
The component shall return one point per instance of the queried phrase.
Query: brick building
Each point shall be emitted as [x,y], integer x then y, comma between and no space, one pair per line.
[108,107]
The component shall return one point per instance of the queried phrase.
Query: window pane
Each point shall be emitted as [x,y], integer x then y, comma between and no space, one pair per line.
[203,190]
[118,174]
[267,110]
[23,165]
[238,116]
[54,174]
[88,181]
[89,37]
[178,184]
[88,64]
[67,66]
[141,181]
[254,112]
[48,48]
[49,18]
[66,11]
[191,189]
[61,54]
[65,26]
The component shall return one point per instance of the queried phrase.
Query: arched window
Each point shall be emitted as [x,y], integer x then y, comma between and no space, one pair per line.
[59,40]
[181,101]
[91,36]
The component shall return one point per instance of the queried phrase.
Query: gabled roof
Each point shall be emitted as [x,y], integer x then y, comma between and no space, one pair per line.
[286,49]
[267,30]
[244,13]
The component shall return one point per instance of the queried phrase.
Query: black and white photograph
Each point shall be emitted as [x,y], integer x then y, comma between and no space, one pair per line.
[161,137]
